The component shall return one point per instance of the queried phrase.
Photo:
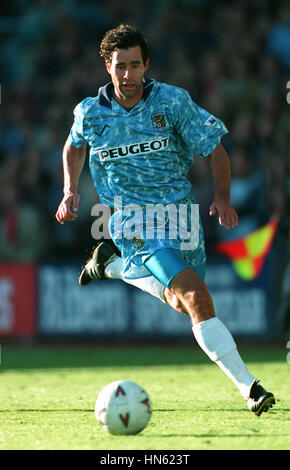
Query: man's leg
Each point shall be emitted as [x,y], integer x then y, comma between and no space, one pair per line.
[105,264]
[187,293]
[210,333]
[148,284]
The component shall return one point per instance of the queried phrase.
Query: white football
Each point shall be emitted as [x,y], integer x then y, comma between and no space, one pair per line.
[123,407]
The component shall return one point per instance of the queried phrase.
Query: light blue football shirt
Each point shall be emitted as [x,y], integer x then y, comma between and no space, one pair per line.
[143,154]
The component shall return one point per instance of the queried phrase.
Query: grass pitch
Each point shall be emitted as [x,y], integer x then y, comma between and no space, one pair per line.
[47,399]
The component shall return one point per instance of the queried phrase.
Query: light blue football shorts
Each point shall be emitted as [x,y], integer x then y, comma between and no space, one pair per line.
[167,263]
[162,244]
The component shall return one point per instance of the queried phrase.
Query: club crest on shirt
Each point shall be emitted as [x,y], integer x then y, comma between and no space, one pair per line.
[138,243]
[158,121]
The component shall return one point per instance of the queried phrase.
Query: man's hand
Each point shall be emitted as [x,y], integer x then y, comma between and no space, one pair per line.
[68,208]
[73,161]
[227,214]
[221,171]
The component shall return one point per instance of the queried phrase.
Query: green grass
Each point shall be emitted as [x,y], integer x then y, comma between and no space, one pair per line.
[47,399]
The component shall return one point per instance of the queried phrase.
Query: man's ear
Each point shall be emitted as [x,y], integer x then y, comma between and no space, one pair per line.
[108,66]
[147,64]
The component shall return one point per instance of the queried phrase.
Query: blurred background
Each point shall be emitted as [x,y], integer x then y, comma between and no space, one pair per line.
[234,59]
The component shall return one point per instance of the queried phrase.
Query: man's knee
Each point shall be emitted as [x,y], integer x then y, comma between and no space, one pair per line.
[174,301]
[198,298]
[193,294]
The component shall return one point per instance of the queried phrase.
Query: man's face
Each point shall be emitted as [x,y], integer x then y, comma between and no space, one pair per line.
[127,71]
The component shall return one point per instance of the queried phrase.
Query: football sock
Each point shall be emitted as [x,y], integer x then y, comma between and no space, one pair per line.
[217,342]
[114,270]
[148,284]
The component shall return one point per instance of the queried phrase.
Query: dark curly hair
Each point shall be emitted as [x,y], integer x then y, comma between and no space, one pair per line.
[123,37]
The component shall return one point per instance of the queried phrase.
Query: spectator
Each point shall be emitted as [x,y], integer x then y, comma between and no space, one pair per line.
[23,233]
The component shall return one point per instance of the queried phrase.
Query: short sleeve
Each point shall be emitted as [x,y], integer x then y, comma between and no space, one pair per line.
[77,131]
[199,129]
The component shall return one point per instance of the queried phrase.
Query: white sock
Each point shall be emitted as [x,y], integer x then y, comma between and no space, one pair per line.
[148,284]
[114,270]
[217,342]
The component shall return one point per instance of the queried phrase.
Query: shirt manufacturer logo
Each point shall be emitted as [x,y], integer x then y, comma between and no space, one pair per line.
[100,130]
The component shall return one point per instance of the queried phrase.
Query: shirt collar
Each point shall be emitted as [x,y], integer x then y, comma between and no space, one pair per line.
[106,93]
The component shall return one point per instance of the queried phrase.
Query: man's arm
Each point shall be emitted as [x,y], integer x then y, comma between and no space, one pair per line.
[221,172]
[73,162]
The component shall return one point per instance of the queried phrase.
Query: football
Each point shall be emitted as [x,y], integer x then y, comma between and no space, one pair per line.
[123,407]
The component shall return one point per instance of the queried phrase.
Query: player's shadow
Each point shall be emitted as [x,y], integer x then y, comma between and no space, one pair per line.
[219,435]
[245,410]
[158,410]
[164,410]
[61,410]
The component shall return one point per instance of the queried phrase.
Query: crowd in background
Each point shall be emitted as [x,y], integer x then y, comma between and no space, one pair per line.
[234,59]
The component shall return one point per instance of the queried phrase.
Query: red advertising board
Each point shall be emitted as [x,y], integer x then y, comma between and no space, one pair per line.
[18,297]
